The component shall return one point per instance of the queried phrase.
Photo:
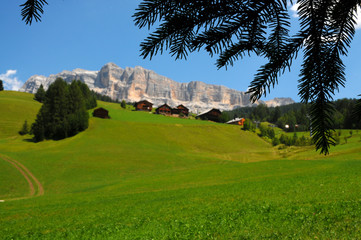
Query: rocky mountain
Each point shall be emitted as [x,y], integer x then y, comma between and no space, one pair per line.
[134,84]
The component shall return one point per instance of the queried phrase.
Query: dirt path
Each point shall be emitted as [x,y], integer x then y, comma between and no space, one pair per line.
[29,177]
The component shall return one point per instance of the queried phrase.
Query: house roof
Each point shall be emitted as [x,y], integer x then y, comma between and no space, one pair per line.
[205,112]
[234,120]
[164,105]
[100,109]
[182,106]
[144,101]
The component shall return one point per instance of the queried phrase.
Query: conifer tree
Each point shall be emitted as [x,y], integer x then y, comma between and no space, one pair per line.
[90,99]
[1,85]
[78,116]
[40,94]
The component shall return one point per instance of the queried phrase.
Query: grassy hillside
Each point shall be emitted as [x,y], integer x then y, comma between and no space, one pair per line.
[143,176]
[15,108]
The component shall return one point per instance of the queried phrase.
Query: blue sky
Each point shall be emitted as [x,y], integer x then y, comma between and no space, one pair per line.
[88,34]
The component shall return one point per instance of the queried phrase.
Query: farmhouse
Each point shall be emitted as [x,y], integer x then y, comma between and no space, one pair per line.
[236,121]
[212,115]
[101,113]
[143,105]
[164,109]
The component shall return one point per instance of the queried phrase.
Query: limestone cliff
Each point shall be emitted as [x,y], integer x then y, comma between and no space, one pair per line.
[134,84]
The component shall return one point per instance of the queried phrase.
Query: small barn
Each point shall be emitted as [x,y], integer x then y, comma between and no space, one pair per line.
[143,105]
[164,109]
[101,113]
[237,121]
[212,115]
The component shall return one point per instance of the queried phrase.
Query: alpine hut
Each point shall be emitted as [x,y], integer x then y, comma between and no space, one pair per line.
[143,105]
[181,110]
[101,113]
[212,115]
[164,109]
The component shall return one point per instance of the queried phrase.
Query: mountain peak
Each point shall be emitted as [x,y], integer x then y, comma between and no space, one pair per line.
[134,84]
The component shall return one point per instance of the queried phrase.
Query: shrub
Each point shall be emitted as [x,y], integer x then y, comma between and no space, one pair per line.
[123,104]
[275,141]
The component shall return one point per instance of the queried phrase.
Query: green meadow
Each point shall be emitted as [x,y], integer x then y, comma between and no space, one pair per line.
[144,176]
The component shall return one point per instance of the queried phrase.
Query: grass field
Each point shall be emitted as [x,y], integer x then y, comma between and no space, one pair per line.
[144,176]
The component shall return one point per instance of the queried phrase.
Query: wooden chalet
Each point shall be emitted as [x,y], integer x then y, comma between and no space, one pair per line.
[212,115]
[237,121]
[182,109]
[164,109]
[143,105]
[101,113]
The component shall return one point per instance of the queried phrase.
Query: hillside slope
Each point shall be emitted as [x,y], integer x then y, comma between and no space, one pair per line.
[15,108]
[145,176]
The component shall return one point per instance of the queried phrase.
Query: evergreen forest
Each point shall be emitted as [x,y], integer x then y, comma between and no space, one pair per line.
[64,110]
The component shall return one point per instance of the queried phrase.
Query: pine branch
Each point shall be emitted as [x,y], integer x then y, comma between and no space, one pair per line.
[32,9]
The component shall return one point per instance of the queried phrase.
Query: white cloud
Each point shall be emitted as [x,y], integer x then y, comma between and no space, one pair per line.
[10,82]
[294,9]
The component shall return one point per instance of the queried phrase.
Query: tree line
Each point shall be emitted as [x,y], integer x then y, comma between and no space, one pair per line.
[64,110]
[296,115]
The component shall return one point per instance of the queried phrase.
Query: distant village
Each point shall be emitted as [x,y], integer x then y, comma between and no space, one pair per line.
[179,111]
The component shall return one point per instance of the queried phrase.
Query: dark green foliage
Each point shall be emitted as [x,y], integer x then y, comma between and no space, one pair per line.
[260,113]
[276,114]
[63,113]
[123,104]
[224,117]
[267,132]
[357,110]
[248,125]
[1,85]
[103,98]
[233,29]
[291,114]
[40,94]
[345,115]
[78,116]
[25,129]
[275,141]
[90,100]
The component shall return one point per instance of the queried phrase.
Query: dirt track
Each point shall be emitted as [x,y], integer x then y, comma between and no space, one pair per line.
[29,177]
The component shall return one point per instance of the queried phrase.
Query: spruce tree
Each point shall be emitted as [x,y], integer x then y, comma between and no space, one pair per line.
[51,122]
[1,85]
[40,94]
[90,99]
[78,116]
